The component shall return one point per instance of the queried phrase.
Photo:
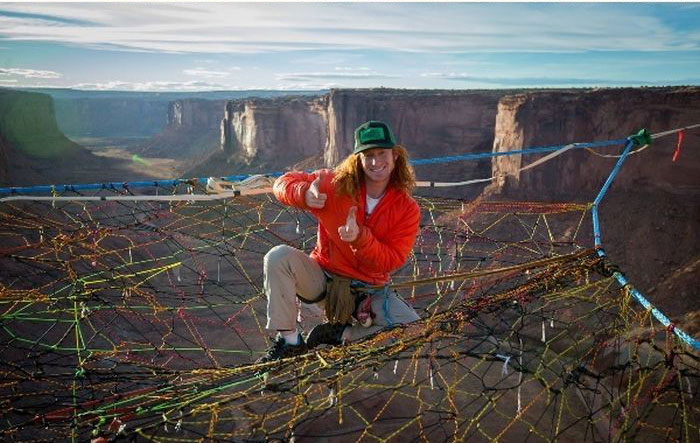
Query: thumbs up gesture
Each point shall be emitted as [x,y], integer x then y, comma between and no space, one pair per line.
[350,231]
[313,197]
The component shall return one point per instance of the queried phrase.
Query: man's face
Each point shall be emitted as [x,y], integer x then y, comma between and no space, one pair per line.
[378,163]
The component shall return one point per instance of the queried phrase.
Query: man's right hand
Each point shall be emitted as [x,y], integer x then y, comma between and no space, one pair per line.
[313,197]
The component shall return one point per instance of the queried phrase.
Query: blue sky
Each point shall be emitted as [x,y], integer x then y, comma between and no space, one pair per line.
[218,46]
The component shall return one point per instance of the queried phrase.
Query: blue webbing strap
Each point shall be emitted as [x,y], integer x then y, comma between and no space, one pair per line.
[641,137]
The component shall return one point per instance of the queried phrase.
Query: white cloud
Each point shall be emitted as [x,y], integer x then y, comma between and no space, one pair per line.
[151,86]
[305,86]
[30,73]
[202,72]
[351,68]
[331,75]
[414,27]
[524,81]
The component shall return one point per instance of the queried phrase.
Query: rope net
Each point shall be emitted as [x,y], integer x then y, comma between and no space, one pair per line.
[143,320]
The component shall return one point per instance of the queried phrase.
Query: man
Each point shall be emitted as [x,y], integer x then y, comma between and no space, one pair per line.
[367,224]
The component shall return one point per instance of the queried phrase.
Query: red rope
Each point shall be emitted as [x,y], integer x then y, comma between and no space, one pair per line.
[678,146]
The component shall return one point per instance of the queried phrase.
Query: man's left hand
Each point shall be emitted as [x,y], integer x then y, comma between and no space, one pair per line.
[349,232]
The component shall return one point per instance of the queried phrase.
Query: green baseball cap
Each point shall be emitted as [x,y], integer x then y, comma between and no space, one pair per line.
[373,134]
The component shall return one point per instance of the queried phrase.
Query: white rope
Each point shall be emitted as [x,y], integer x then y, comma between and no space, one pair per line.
[165,198]
[506,359]
[218,190]
[426,184]
[549,157]
[673,131]
[546,158]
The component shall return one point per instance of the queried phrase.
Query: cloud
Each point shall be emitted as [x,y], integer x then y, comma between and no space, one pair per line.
[30,73]
[510,82]
[351,68]
[405,27]
[306,86]
[47,19]
[318,45]
[339,74]
[150,86]
[201,72]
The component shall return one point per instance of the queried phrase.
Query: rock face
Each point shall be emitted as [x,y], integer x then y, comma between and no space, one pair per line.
[30,143]
[111,116]
[649,216]
[4,155]
[191,131]
[428,123]
[35,151]
[194,113]
[551,118]
[283,131]
[128,114]
[280,131]
[28,122]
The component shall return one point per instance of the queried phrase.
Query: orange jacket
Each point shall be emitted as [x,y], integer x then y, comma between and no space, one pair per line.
[386,237]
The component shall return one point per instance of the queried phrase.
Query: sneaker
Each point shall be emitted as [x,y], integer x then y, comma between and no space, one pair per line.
[325,334]
[281,349]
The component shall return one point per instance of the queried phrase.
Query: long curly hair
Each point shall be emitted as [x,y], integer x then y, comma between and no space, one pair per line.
[349,174]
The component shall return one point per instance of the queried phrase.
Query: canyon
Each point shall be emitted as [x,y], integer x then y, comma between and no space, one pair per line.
[262,135]
[124,114]
[217,136]
[191,131]
[649,217]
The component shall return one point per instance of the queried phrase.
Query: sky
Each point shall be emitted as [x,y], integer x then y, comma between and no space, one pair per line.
[310,46]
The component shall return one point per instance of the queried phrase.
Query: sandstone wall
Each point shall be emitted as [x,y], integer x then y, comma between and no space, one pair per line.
[129,114]
[195,114]
[191,132]
[428,122]
[283,131]
[551,118]
[275,131]
[28,122]
[34,151]
[649,216]
[111,117]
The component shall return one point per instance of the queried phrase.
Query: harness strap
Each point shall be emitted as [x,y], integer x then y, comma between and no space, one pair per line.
[340,302]
[343,296]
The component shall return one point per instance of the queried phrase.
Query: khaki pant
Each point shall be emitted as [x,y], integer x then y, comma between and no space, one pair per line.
[290,273]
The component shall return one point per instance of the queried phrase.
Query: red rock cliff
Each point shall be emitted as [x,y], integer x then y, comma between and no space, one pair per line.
[195,113]
[283,131]
[191,131]
[551,118]
[277,131]
[649,216]
[428,122]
